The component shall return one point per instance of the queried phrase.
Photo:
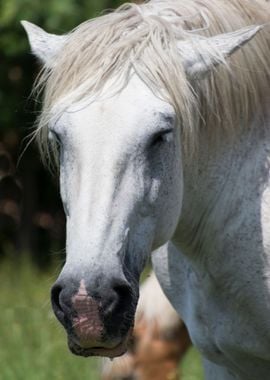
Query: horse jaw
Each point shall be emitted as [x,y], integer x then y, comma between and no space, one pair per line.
[44,46]
[199,58]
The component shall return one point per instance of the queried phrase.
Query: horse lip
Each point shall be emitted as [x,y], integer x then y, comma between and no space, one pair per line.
[105,351]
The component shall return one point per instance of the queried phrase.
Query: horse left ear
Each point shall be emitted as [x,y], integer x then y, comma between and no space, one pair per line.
[201,54]
[44,46]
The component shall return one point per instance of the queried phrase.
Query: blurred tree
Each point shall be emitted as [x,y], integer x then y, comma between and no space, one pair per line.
[42,226]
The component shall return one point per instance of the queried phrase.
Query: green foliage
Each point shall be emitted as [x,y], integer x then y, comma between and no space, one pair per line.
[54,15]
[191,366]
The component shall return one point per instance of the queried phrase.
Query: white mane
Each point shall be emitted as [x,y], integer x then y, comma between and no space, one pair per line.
[143,38]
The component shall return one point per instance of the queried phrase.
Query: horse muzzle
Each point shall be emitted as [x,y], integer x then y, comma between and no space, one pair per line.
[98,323]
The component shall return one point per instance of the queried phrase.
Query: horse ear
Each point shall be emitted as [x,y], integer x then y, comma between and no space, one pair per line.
[45,46]
[201,54]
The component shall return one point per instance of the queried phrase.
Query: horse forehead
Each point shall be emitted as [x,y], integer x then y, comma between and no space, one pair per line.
[135,108]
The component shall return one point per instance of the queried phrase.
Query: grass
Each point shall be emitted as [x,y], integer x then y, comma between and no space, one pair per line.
[33,344]
[191,366]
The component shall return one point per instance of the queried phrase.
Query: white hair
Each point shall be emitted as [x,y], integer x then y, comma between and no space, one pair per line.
[143,38]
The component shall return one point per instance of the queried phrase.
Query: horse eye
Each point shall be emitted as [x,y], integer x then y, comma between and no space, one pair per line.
[55,141]
[54,137]
[162,137]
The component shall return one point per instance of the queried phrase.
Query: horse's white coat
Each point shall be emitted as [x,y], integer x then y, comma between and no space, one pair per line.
[225,274]
[130,180]
[118,186]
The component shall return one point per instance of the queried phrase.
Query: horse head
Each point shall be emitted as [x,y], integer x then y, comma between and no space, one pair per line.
[121,172]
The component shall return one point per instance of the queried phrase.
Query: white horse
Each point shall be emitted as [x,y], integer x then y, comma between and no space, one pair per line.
[160,136]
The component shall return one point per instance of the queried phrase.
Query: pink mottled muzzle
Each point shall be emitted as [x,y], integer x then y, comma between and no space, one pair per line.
[87,325]
[89,328]
[95,323]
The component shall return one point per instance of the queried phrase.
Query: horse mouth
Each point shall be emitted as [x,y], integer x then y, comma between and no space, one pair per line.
[105,351]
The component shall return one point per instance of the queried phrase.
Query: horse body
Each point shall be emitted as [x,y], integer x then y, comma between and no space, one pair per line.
[132,177]
[224,266]
[226,255]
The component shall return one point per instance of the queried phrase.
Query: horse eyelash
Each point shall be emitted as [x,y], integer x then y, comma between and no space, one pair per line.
[161,137]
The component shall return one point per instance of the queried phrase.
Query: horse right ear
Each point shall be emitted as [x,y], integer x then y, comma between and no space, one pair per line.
[44,46]
[201,54]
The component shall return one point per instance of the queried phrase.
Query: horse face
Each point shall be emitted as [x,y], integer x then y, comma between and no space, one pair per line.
[121,186]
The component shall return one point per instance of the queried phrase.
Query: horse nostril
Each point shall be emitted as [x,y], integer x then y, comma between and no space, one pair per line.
[122,289]
[123,293]
[55,299]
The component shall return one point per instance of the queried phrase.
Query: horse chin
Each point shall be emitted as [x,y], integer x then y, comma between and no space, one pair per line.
[105,351]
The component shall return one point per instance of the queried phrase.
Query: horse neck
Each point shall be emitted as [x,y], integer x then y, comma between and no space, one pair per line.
[224,187]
